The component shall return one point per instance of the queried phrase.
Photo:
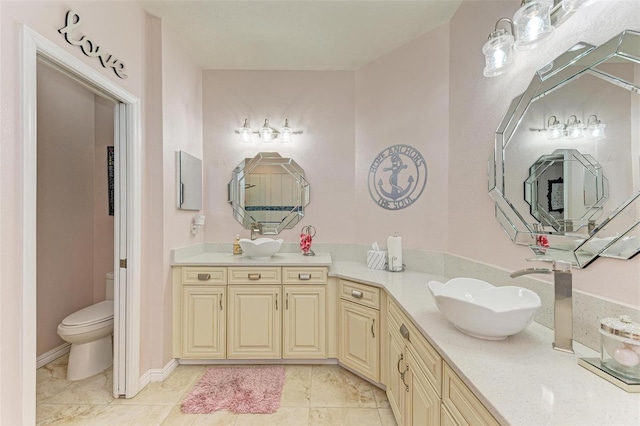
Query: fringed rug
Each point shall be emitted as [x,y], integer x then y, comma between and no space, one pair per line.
[241,390]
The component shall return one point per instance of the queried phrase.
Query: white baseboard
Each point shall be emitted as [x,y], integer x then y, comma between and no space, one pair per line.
[158,374]
[53,354]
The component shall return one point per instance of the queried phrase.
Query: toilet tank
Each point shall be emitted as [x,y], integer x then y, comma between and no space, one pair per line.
[109,286]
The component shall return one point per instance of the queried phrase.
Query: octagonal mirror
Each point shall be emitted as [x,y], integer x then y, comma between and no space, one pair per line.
[553,176]
[269,190]
[566,190]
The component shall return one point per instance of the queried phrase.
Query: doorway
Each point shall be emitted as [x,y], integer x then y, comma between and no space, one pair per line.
[127,215]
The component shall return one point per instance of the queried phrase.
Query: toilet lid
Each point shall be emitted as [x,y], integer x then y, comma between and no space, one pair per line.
[93,314]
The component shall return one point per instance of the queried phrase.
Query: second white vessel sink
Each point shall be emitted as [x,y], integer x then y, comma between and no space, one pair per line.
[260,248]
[482,310]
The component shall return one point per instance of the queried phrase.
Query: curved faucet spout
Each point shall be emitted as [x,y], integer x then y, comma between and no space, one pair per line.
[530,271]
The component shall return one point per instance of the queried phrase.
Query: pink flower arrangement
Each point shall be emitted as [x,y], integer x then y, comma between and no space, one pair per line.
[305,242]
[543,241]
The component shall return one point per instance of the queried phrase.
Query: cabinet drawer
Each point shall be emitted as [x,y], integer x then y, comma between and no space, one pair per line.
[301,275]
[255,275]
[204,275]
[461,403]
[360,293]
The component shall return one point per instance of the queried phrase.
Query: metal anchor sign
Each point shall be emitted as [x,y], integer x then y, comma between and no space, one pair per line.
[397,177]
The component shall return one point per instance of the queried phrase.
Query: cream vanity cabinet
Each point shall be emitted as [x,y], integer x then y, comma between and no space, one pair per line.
[421,388]
[200,293]
[250,312]
[359,328]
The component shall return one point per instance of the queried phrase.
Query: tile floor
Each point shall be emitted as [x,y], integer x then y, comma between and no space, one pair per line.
[312,395]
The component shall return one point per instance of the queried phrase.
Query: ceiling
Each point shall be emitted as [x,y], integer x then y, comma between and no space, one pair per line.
[297,35]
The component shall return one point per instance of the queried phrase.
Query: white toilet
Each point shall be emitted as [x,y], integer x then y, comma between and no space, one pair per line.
[90,333]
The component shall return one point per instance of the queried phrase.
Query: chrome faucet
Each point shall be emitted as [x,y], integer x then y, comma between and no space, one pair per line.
[562,308]
[256,229]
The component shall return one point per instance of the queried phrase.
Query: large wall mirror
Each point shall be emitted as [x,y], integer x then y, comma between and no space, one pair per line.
[562,182]
[269,190]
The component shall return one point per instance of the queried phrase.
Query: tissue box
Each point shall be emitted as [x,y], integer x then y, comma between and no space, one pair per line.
[376,259]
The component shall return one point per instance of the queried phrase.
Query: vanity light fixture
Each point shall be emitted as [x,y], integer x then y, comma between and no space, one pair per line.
[498,50]
[595,128]
[245,131]
[555,129]
[267,133]
[533,23]
[575,128]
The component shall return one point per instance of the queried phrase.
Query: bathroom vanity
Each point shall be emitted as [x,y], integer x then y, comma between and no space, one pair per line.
[385,327]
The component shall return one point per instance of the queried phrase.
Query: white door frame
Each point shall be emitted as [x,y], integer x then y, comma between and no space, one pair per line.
[128,136]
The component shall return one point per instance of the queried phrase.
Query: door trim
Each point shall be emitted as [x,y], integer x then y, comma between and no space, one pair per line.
[32,45]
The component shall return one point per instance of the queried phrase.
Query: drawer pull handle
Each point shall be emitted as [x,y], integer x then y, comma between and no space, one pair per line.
[276,303]
[406,386]
[204,277]
[221,302]
[373,324]
[254,277]
[304,277]
[398,366]
[357,294]
[404,331]
[287,302]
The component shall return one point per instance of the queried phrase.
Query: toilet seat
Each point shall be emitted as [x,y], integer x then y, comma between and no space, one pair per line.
[99,314]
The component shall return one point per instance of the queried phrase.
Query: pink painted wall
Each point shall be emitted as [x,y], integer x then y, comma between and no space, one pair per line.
[65,204]
[477,106]
[321,104]
[403,98]
[103,254]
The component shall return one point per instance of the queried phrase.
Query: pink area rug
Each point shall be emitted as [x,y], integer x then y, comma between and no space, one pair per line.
[241,390]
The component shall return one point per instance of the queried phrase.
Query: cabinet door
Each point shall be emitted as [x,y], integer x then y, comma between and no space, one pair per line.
[304,331]
[358,340]
[203,322]
[396,367]
[422,402]
[254,322]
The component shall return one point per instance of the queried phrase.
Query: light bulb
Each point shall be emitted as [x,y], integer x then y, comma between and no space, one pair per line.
[286,134]
[245,132]
[266,132]
[498,53]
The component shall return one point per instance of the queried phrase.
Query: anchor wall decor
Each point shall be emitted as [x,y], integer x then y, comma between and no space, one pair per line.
[397,177]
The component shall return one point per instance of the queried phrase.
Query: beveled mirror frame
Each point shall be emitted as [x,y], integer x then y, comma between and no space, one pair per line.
[579,251]
[237,186]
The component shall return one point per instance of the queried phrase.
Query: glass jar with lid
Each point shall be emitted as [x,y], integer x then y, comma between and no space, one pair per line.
[620,345]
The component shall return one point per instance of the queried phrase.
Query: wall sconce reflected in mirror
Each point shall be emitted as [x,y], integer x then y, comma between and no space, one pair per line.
[267,133]
[575,128]
[595,128]
[555,129]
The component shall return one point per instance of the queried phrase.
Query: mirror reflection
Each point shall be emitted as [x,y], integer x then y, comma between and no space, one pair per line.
[566,190]
[581,186]
[189,191]
[268,193]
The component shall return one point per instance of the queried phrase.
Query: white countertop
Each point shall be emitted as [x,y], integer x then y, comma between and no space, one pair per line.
[228,259]
[521,380]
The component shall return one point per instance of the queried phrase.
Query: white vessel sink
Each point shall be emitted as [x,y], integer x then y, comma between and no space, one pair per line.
[260,248]
[482,310]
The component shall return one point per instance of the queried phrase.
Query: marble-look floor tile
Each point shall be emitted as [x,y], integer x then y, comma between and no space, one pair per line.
[62,414]
[96,389]
[51,379]
[111,415]
[386,417]
[380,397]
[297,386]
[285,416]
[168,392]
[220,418]
[333,386]
[344,416]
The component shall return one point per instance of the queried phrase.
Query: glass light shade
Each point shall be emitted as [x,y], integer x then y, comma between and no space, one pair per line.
[533,24]
[286,134]
[555,131]
[266,132]
[575,130]
[595,130]
[498,53]
[573,5]
[245,132]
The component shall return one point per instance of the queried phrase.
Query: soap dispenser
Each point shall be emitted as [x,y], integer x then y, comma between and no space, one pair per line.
[236,245]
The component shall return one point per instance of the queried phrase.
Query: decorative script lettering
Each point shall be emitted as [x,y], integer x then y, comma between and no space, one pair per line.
[89,47]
